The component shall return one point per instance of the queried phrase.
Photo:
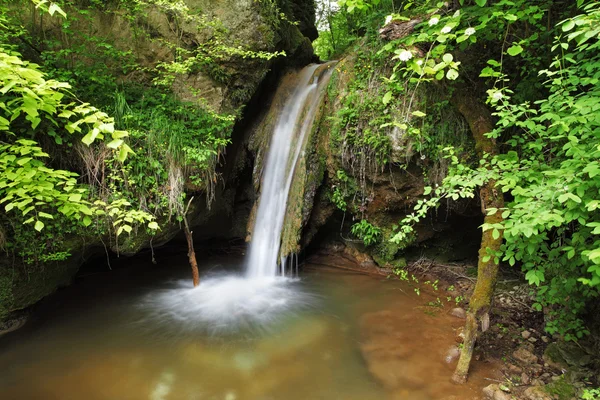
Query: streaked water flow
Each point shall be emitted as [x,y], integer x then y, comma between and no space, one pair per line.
[295,121]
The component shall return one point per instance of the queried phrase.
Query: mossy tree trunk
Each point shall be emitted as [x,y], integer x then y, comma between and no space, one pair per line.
[190,243]
[480,122]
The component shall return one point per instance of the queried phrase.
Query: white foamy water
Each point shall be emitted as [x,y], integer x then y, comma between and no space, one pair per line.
[226,304]
[263,294]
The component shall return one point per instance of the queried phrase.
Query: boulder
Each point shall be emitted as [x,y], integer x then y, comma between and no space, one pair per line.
[537,393]
[525,356]
[493,392]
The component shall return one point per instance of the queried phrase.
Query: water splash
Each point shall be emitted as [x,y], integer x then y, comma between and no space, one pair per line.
[226,304]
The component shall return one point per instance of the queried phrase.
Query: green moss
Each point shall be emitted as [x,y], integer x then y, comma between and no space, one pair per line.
[387,254]
[561,389]
[6,296]
[387,250]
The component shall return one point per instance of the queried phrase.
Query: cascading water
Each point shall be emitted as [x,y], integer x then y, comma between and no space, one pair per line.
[225,303]
[285,148]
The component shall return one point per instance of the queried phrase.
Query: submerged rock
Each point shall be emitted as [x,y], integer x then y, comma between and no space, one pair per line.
[458,312]
[452,354]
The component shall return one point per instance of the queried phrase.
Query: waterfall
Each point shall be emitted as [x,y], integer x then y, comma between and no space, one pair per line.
[229,303]
[287,143]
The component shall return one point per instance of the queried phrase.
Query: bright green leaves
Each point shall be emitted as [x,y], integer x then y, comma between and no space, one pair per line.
[360,5]
[49,7]
[29,187]
[26,93]
[481,3]
[387,97]
[535,277]
[54,8]
[122,217]
[568,196]
[367,232]
[568,25]
[452,74]
[514,50]
[550,171]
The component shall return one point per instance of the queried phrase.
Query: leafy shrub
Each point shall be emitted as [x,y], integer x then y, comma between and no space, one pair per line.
[367,232]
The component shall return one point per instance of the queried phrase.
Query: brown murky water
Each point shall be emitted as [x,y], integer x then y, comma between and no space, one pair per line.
[362,338]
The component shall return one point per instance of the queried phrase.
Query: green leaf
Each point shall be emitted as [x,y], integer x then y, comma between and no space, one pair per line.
[387,98]
[481,3]
[115,144]
[55,8]
[447,58]
[153,225]
[452,74]
[515,50]
[419,114]
[39,225]
[75,198]
[535,277]
[570,24]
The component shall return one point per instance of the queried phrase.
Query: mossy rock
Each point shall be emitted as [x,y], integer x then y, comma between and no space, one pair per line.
[386,251]
[563,355]
[561,389]
[20,288]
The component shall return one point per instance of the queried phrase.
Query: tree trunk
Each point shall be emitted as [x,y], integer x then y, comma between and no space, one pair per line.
[480,121]
[190,243]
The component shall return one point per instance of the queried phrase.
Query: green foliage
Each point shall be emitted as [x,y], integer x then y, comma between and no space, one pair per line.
[367,232]
[336,33]
[343,190]
[34,109]
[357,129]
[549,170]
[25,94]
[27,185]
[176,141]
[360,5]
[591,394]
